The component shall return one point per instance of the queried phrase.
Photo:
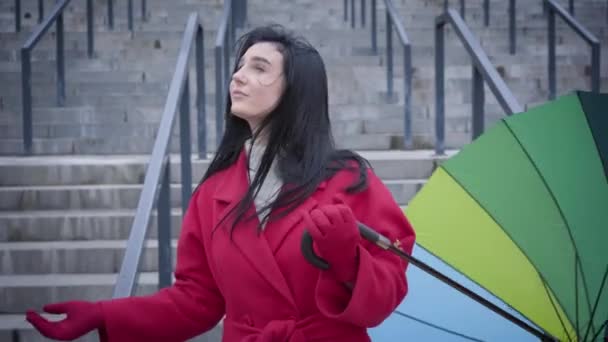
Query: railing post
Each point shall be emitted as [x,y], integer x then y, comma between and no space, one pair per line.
[551,54]
[445,5]
[407,97]
[219,99]
[439,90]
[26,98]
[60,63]
[201,94]
[478,103]
[232,28]
[185,145]
[164,228]
[595,67]
[226,64]
[90,24]
[40,11]
[512,32]
[143,10]
[17,15]
[130,14]
[486,12]
[374,30]
[462,9]
[362,13]
[345,10]
[571,7]
[389,56]
[111,14]
[352,13]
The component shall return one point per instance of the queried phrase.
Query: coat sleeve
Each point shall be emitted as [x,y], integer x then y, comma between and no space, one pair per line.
[191,306]
[380,283]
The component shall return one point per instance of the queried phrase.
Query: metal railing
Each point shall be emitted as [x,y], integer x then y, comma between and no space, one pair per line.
[224,46]
[486,19]
[392,21]
[18,13]
[483,70]
[55,17]
[130,15]
[160,164]
[554,8]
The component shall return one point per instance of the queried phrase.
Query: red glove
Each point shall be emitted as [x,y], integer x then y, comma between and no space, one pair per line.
[334,231]
[82,317]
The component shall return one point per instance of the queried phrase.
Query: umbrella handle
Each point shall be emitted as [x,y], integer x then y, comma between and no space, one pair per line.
[364,231]
[309,253]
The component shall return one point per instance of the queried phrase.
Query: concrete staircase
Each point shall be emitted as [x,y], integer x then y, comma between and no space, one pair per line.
[525,73]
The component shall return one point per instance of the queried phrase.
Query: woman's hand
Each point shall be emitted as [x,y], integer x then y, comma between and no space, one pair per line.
[82,317]
[334,230]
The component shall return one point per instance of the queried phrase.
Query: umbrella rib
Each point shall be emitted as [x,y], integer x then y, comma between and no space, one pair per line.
[555,308]
[509,236]
[561,214]
[597,302]
[437,326]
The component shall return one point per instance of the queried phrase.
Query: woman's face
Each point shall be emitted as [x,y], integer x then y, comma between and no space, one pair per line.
[258,84]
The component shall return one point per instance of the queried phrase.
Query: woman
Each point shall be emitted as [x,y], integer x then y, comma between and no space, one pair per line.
[276,174]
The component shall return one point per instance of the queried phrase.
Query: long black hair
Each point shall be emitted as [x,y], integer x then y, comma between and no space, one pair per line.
[297,132]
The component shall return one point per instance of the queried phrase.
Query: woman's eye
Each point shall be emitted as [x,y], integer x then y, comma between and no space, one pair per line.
[259,68]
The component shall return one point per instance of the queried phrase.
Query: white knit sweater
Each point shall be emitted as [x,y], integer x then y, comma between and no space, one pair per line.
[271,185]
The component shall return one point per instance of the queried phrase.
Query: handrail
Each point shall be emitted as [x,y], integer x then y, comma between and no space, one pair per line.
[159,168]
[224,44]
[554,8]
[483,70]
[56,16]
[486,16]
[393,20]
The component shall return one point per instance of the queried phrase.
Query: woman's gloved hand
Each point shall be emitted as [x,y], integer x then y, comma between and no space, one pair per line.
[82,317]
[334,230]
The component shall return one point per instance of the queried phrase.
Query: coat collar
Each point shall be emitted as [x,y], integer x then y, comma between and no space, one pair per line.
[255,247]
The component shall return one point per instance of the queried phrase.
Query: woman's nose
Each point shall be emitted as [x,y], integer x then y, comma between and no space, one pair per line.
[239,77]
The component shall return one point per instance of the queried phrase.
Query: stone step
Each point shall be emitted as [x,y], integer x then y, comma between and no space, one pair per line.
[81,257]
[120,196]
[34,291]
[130,169]
[76,225]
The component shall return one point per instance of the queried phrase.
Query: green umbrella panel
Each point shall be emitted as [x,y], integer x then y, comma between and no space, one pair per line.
[523,212]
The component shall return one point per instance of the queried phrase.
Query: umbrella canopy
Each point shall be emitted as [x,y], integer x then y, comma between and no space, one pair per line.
[522,212]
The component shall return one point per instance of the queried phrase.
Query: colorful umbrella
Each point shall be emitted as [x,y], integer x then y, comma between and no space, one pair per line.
[522,213]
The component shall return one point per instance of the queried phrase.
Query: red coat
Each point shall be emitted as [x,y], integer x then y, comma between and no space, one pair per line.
[262,283]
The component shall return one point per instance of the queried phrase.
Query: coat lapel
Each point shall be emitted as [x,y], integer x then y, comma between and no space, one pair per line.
[247,240]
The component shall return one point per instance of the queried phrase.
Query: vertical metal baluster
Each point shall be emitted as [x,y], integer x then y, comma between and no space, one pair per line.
[90,31]
[478,103]
[164,228]
[439,90]
[374,30]
[111,14]
[185,145]
[18,16]
[551,54]
[130,14]
[26,90]
[201,95]
[60,63]
[389,56]
[407,97]
[512,28]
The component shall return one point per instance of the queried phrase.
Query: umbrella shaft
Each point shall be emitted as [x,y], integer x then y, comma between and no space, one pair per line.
[428,269]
